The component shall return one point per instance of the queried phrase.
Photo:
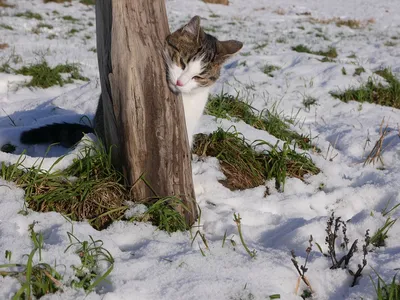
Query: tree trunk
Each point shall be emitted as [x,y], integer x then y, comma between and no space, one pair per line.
[138,116]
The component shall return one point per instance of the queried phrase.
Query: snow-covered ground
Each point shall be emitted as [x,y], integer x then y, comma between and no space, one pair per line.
[150,264]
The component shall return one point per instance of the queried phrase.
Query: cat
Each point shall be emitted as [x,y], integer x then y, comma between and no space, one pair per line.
[193,62]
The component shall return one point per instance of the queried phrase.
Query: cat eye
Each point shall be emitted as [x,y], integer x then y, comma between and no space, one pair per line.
[197,78]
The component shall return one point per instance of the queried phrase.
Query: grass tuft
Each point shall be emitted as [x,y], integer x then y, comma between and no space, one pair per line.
[244,167]
[268,69]
[29,15]
[44,76]
[372,92]
[5,26]
[330,53]
[386,291]
[227,106]
[88,2]
[89,189]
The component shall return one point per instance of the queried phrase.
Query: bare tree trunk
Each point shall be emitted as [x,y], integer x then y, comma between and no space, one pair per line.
[137,113]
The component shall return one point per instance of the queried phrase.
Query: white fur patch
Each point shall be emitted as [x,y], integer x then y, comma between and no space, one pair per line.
[194,97]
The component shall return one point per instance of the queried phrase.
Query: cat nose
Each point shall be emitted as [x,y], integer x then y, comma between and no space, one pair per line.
[179,83]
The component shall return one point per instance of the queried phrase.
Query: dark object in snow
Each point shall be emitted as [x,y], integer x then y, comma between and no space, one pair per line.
[66,134]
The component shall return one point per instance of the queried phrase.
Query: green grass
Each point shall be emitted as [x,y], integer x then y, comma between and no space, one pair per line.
[41,279]
[36,279]
[90,189]
[5,26]
[372,92]
[268,69]
[73,31]
[44,25]
[44,76]
[358,71]
[88,2]
[260,46]
[386,291]
[380,236]
[331,52]
[29,15]
[69,18]
[246,168]
[91,253]
[227,106]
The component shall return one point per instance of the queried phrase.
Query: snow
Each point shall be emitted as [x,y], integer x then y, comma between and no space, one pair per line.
[151,264]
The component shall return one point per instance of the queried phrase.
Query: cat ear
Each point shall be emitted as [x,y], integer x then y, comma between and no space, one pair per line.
[226,49]
[193,27]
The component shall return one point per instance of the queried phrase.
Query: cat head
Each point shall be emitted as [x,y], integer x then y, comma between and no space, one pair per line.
[194,58]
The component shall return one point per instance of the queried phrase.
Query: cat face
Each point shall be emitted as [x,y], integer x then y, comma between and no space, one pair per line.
[194,58]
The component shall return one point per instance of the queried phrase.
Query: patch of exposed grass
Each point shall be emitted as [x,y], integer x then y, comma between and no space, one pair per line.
[69,18]
[44,76]
[246,168]
[45,25]
[260,46]
[4,4]
[309,101]
[228,106]
[37,279]
[90,189]
[5,26]
[380,236]
[3,46]
[331,52]
[281,40]
[386,291]
[268,69]
[73,31]
[372,92]
[8,148]
[56,1]
[358,71]
[51,36]
[390,44]
[29,15]
[352,23]
[88,2]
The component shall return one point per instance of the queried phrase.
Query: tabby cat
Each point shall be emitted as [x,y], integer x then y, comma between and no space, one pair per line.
[193,59]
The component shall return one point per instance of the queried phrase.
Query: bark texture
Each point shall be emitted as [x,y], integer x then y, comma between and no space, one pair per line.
[137,115]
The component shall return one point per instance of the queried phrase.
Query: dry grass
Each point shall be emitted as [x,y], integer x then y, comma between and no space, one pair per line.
[223,2]
[280,11]
[352,23]
[4,4]
[56,1]
[376,152]
[244,167]
[3,46]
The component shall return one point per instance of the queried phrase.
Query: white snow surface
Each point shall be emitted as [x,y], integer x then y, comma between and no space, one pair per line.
[151,264]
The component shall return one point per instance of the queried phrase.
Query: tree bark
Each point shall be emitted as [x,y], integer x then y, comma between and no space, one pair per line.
[138,116]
